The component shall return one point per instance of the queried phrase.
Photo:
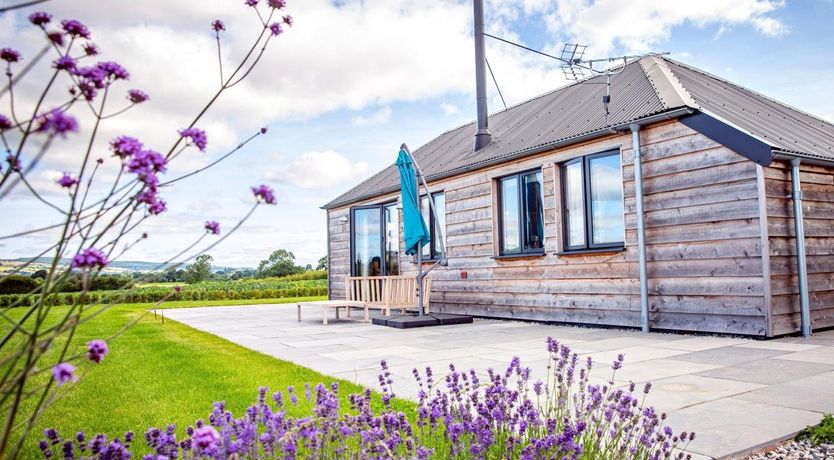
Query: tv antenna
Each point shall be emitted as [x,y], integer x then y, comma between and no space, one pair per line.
[578,69]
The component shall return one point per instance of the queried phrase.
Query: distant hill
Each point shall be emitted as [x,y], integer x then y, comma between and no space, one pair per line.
[127,265]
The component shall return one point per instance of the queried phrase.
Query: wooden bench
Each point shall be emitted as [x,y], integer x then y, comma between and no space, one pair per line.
[387,292]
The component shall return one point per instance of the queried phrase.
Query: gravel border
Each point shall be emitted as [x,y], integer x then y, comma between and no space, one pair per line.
[796,450]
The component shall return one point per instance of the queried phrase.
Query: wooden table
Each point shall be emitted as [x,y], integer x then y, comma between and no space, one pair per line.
[335,304]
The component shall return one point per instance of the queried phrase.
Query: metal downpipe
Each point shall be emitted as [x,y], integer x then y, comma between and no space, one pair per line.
[641,227]
[801,262]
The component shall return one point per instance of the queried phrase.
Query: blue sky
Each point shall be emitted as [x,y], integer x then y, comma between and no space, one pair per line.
[352,80]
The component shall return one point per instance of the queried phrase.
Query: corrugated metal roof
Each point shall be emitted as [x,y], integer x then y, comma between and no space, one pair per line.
[780,125]
[643,88]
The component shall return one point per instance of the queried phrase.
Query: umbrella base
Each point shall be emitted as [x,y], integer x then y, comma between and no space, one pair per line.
[412,320]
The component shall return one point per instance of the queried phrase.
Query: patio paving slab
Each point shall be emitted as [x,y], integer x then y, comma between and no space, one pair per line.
[736,393]
[728,356]
[768,371]
[716,425]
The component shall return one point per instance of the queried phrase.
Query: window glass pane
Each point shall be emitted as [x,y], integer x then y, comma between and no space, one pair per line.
[533,213]
[392,240]
[509,215]
[607,199]
[440,222]
[424,209]
[367,242]
[574,204]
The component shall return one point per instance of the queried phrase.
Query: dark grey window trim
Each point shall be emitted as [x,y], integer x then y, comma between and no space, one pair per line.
[589,245]
[522,222]
[383,265]
[434,254]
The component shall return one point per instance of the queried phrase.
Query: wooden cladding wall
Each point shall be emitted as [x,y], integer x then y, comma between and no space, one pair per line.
[703,233]
[818,212]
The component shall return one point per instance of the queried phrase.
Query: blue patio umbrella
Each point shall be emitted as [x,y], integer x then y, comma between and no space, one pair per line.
[415,233]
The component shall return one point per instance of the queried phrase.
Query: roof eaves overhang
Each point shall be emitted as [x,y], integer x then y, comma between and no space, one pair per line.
[675,113]
[730,136]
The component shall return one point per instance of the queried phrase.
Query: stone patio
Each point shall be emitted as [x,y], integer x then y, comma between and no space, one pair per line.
[736,394]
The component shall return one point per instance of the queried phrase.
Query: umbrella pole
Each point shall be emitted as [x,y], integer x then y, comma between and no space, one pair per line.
[420,281]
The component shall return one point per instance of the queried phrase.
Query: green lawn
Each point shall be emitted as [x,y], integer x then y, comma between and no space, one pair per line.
[159,373]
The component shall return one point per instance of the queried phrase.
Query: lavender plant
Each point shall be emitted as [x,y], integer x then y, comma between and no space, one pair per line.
[505,416]
[100,218]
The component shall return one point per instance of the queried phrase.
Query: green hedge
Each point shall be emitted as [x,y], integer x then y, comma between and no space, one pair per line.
[267,288]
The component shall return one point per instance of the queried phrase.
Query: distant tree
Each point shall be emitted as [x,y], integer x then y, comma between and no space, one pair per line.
[279,263]
[174,275]
[200,270]
[308,267]
[235,276]
[322,263]
[40,274]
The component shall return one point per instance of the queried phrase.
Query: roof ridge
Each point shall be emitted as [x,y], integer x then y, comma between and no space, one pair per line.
[667,86]
[764,96]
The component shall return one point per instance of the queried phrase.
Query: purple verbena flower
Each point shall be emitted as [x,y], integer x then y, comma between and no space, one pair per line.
[251,2]
[213,227]
[288,20]
[277,4]
[177,288]
[64,372]
[14,163]
[264,130]
[9,55]
[56,37]
[90,258]
[97,350]
[137,96]
[57,122]
[145,162]
[75,28]
[5,123]
[264,193]
[40,18]
[125,146]
[67,181]
[218,25]
[65,63]
[113,70]
[157,207]
[90,49]
[198,137]
[275,27]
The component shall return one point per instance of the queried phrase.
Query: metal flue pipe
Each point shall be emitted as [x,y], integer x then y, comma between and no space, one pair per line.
[802,267]
[641,227]
[482,135]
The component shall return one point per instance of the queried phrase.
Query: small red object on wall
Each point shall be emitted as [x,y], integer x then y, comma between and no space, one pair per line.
[464,275]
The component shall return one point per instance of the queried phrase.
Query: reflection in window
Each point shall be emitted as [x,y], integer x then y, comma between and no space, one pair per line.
[509,216]
[606,199]
[521,198]
[434,224]
[392,239]
[367,242]
[592,202]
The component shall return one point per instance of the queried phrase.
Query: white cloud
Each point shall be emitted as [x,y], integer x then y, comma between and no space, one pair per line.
[449,109]
[380,117]
[639,25]
[314,170]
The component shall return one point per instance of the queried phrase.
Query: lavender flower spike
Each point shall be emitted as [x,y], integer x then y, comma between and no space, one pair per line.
[64,372]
